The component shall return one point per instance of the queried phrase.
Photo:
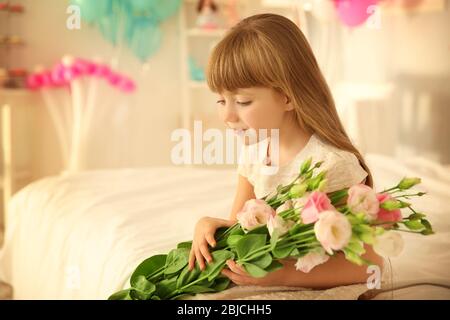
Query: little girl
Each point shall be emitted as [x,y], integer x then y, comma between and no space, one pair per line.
[267,77]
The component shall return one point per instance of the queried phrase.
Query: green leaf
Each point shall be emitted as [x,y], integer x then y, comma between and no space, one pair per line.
[249,243]
[186,244]
[215,267]
[148,267]
[263,261]
[143,285]
[177,259]
[121,295]
[274,266]
[233,239]
[259,230]
[166,288]
[187,276]
[139,295]
[282,249]
[414,225]
[254,270]
[221,283]
[198,289]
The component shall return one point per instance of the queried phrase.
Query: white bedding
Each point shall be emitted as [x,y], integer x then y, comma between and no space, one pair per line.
[80,236]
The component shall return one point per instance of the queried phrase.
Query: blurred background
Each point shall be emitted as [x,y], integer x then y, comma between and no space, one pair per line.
[88,85]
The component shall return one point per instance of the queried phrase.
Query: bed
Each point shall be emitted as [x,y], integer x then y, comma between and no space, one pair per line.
[80,236]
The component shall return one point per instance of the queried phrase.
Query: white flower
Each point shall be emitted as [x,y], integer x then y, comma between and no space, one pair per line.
[279,224]
[255,213]
[311,260]
[363,199]
[333,230]
[298,203]
[285,206]
[389,244]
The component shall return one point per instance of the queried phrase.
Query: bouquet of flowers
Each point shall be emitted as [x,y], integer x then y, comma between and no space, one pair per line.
[298,221]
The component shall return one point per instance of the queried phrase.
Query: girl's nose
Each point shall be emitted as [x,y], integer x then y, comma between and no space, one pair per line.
[230,114]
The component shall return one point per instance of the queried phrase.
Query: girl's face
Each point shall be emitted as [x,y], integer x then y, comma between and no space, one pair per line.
[253,108]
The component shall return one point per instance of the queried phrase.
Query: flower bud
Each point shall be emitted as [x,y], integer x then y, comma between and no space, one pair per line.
[298,190]
[305,166]
[407,183]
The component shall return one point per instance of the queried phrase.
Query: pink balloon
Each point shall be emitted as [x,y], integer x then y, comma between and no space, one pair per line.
[57,75]
[81,65]
[103,71]
[354,12]
[114,78]
[91,68]
[34,81]
[127,85]
[46,79]
[68,74]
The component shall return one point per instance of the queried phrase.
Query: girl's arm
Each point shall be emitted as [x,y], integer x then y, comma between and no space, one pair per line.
[244,192]
[337,271]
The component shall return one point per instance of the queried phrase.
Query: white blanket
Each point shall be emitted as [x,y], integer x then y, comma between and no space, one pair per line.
[80,236]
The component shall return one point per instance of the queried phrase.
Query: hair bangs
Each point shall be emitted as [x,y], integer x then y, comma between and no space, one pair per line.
[238,61]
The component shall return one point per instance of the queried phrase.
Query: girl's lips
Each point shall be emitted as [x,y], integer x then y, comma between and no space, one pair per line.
[239,131]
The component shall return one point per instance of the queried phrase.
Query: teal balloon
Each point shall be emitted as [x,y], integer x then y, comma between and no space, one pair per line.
[142,5]
[145,40]
[109,27]
[91,10]
[110,23]
[164,9]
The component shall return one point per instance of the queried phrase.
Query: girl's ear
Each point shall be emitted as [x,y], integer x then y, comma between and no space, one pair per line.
[289,105]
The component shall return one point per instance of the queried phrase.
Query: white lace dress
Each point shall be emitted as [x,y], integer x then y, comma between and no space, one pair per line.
[343,168]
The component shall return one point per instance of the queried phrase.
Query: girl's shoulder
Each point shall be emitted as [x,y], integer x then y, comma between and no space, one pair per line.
[342,167]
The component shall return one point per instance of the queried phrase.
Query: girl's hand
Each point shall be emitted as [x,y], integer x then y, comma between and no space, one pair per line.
[203,235]
[239,276]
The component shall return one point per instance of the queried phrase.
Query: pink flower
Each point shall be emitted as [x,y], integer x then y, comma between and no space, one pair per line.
[255,213]
[311,260]
[363,199]
[333,230]
[316,203]
[386,215]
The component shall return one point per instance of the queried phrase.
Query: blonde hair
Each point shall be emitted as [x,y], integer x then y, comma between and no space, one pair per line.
[269,50]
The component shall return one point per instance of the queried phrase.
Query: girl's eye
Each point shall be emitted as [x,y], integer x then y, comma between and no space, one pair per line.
[222,102]
[246,103]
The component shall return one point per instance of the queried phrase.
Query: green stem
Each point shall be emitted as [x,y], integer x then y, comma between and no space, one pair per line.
[387,190]
[406,195]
